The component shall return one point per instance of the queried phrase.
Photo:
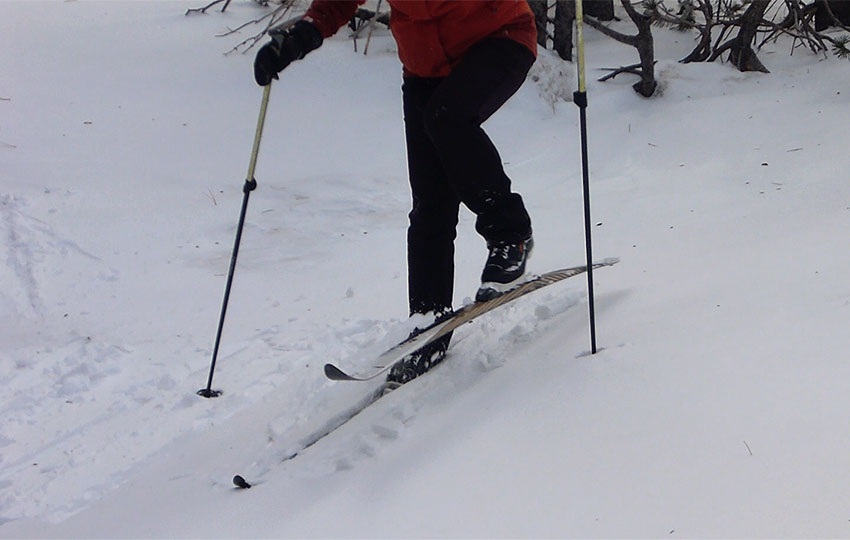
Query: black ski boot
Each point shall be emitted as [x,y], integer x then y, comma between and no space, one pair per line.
[504,269]
[417,363]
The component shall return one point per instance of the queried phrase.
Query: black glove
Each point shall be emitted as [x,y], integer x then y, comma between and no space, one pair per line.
[286,46]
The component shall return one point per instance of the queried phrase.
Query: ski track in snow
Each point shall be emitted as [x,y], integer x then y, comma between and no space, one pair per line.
[19,260]
[73,385]
[33,250]
[473,352]
[92,397]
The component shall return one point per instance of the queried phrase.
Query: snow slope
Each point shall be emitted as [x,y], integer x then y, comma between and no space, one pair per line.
[718,406]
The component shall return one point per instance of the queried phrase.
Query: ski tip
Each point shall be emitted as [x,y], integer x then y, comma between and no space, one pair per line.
[335,374]
[240,482]
[609,261]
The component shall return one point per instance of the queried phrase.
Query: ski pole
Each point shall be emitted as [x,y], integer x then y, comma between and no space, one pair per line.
[250,185]
[580,99]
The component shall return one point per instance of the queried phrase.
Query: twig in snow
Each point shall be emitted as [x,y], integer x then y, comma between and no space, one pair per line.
[7,145]
[748,448]
[206,7]
[633,69]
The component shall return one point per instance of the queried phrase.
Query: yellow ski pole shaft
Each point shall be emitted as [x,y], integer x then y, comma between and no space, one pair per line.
[258,135]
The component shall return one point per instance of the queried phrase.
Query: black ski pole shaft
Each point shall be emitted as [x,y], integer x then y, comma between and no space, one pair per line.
[580,99]
[250,185]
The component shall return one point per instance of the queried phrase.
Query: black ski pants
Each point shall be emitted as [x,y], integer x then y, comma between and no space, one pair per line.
[451,160]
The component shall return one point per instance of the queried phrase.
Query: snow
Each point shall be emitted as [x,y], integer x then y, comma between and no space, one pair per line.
[716,407]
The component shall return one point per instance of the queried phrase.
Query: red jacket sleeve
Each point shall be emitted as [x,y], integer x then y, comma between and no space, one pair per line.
[330,15]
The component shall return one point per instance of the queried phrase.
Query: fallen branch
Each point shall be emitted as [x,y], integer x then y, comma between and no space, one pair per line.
[206,7]
[633,69]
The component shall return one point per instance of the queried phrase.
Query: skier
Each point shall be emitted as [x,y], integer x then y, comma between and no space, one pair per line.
[462,61]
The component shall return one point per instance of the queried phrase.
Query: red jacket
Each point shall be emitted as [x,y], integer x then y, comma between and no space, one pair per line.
[433,35]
